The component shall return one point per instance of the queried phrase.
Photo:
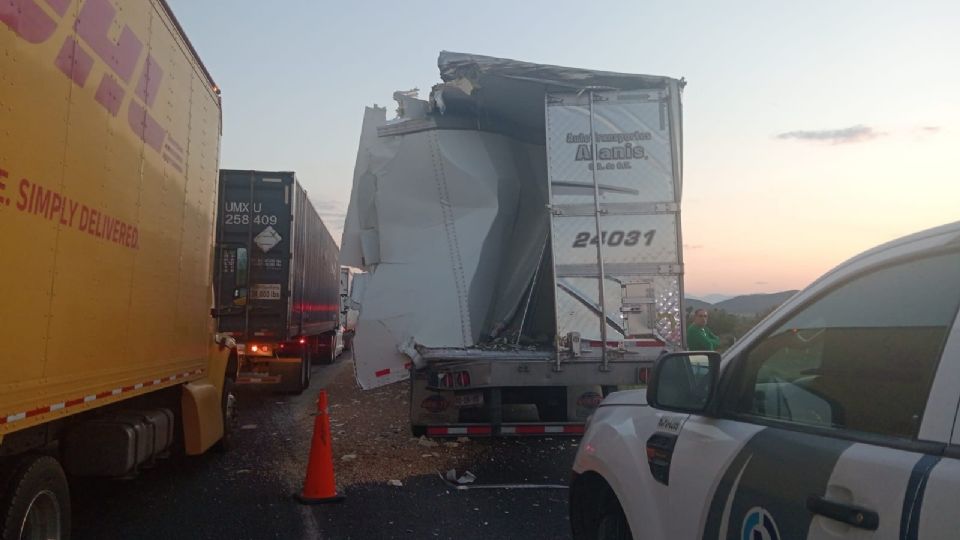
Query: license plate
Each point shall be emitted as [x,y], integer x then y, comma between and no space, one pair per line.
[469,400]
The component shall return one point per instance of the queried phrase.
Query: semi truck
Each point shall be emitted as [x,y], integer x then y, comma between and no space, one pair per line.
[108,172]
[521,231]
[278,279]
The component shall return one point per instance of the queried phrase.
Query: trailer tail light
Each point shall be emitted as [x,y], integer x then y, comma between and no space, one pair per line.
[447,379]
[302,341]
[259,350]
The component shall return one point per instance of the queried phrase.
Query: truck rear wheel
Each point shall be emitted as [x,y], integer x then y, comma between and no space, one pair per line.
[36,500]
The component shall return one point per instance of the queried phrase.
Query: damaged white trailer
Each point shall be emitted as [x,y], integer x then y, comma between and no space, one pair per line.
[521,228]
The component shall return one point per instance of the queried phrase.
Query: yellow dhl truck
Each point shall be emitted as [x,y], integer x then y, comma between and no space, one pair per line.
[109,151]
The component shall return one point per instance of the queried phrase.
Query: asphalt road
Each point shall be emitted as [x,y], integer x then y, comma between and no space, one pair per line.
[247,492]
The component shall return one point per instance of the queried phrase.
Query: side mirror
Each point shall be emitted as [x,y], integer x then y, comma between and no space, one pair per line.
[684,382]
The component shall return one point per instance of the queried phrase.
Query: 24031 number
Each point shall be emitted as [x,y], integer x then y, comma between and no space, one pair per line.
[614,238]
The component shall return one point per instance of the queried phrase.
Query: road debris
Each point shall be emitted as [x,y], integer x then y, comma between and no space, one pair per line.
[470,485]
[373,426]
[424,441]
[467,478]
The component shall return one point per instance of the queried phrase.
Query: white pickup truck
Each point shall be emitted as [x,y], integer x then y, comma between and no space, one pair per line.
[836,417]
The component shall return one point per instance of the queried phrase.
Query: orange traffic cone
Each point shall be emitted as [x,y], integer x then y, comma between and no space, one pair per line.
[319,486]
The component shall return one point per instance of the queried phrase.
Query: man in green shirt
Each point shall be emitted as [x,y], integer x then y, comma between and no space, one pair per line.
[699,337]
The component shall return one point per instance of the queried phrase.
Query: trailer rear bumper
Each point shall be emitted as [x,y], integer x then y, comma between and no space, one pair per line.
[258,378]
[462,374]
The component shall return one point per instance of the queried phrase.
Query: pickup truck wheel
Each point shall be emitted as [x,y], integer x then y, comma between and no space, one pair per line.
[613,523]
[36,500]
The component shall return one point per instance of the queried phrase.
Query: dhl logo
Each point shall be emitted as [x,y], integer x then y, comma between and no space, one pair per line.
[35,24]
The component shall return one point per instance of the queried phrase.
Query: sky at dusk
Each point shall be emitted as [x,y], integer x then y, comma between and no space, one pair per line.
[812,130]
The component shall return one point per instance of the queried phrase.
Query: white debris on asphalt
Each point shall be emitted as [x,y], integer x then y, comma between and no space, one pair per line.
[395,483]
[424,441]
[248,426]
[348,457]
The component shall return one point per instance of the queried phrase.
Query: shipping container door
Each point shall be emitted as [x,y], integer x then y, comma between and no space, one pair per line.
[254,254]
[615,216]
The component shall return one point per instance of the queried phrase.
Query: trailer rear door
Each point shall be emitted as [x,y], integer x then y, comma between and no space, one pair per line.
[616,216]
[253,254]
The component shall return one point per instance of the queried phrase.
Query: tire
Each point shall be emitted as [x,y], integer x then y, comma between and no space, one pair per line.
[330,349]
[307,368]
[228,408]
[36,499]
[613,523]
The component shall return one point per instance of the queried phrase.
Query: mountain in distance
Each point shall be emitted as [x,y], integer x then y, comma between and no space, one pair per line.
[715,298]
[747,304]
[696,303]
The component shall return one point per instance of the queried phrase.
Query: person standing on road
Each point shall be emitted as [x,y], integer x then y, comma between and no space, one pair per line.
[699,337]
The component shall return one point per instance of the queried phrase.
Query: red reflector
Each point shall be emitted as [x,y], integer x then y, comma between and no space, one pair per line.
[463,378]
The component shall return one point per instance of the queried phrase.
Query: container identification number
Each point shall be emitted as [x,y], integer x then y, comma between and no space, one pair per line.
[245,219]
[614,238]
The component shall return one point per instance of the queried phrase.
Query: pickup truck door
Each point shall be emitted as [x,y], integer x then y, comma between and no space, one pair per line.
[938,517]
[821,417]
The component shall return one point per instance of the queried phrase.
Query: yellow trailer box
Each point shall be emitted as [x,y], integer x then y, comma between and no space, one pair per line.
[109,143]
